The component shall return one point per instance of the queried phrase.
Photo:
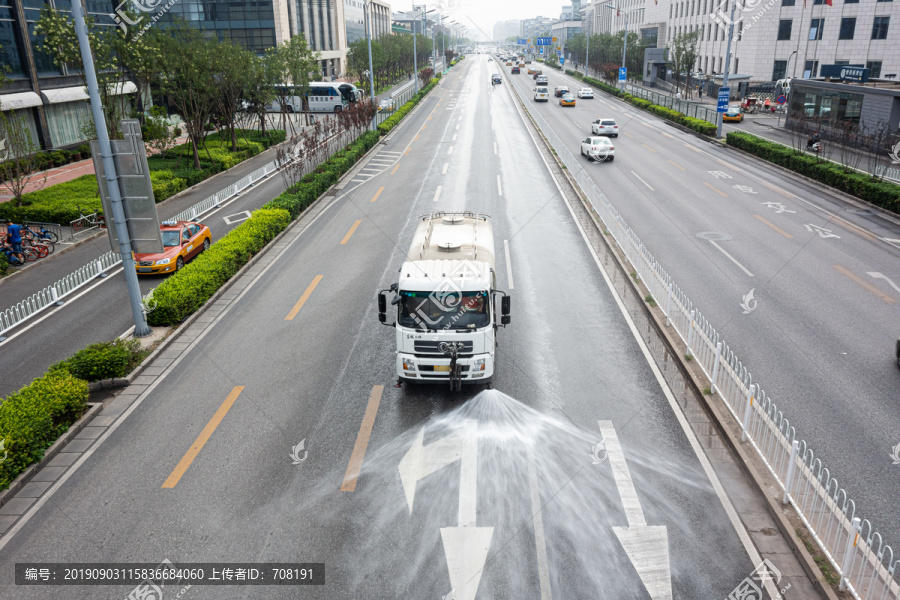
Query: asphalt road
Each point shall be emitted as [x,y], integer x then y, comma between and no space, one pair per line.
[568,366]
[821,336]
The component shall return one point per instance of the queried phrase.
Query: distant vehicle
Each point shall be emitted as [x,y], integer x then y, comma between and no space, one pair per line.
[495,78]
[598,148]
[541,94]
[605,127]
[182,241]
[560,90]
[515,71]
[531,71]
[541,80]
[733,113]
[567,100]
[323,96]
[585,93]
[446,302]
[537,73]
[386,105]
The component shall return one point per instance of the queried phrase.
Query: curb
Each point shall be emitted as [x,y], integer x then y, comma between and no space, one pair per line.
[25,476]
[695,379]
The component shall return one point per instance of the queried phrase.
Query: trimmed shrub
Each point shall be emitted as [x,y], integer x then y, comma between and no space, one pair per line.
[4,264]
[880,193]
[35,416]
[103,360]
[188,289]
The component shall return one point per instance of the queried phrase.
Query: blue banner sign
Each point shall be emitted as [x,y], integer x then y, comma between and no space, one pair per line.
[623,71]
[544,41]
[522,41]
[856,73]
[724,97]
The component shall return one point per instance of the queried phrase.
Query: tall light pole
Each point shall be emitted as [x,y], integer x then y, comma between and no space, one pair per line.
[624,37]
[725,73]
[369,43]
[415,51]
[141,329]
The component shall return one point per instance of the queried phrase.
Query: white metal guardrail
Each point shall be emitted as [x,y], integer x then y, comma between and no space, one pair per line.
[866,564]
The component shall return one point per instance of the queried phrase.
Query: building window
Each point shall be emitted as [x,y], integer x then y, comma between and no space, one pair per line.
[884,0]
[810,68]
[784,29]
[10,61]
[880,28]
[670,14]
[874,67]
[816,27]
[787,2]
[735,65]
[720,64]
[848,26]
[851,1]
[779,70]
[740,29]
[842,62]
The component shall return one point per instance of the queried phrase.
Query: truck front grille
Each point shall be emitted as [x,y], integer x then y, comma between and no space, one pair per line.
[432,347]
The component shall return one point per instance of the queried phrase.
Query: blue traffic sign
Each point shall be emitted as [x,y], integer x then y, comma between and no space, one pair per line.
[623,71]
[544,41]
[559,52]
[724,97]
[541,50]
[781,99]
[562,60]
[522,41]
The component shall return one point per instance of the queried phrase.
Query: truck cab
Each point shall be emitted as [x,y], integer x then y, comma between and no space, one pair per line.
[445,303]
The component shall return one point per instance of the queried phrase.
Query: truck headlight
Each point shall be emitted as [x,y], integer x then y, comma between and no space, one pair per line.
[163,261]
[408,366]
[478,365]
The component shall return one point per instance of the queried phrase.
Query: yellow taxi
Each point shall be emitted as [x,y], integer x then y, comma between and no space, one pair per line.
[531,71]
[509,63]
[733,113]
[182,241]
[567,100]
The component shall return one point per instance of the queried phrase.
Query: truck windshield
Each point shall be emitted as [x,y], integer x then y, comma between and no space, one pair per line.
[434,311]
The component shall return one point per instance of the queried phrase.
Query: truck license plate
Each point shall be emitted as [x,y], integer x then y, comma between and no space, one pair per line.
[442,367]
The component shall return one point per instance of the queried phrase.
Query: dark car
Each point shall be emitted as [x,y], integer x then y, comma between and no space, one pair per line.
[515,71]
[538,73]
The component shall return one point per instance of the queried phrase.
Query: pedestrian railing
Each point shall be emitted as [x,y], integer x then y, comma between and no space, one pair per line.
[867,566]
[36,226]
[52,294]
[84,224]
[697,110]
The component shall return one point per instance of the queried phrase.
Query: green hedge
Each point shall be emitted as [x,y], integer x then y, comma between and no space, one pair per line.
[188,289]
[401,112]
[104,360]
[4,264]
[575,74]
[880,193]
[59,203]
[35,416]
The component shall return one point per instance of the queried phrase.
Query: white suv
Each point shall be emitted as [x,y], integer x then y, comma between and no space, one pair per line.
[541,94]
[605,127]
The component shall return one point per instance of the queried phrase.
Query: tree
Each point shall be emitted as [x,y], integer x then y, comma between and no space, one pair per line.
[301,63]
[190,60]
[425,75]
[232,78]
[157,132]
[259,92]
[118,56]
[19,154]
[577,46]
[683,55]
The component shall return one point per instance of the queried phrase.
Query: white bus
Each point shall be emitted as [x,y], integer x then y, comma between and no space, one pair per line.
[323,97]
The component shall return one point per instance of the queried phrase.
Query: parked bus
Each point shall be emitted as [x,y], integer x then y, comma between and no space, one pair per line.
[322,97]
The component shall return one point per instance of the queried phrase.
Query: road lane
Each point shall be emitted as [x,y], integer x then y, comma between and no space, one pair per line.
[816,337]
[567,362]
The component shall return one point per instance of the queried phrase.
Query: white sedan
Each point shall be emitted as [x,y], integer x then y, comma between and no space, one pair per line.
[585,93]
[598,148]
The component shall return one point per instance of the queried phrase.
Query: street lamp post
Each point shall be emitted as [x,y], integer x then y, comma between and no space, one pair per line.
[369,43]
[624,37]
[725,73]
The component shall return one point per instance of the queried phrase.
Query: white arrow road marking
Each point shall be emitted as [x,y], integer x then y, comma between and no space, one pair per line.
[465,546]
[878,275]
[647,546]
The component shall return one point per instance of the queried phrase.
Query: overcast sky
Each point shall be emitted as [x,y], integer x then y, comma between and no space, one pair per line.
[485,13]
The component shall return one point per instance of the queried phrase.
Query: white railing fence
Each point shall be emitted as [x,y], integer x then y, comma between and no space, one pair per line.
[865,563]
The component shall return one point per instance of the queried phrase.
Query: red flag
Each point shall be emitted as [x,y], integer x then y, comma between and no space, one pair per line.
[828,2]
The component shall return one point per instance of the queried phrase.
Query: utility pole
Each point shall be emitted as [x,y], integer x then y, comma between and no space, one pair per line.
[141,329]
[725,73]
[416,8]
[625,47]
[371,71]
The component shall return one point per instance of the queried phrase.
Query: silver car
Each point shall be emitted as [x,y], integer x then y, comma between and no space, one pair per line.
[605,127]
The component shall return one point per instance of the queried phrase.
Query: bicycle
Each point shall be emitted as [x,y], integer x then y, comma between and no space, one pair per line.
[43,249]
[15,259]
[44,235]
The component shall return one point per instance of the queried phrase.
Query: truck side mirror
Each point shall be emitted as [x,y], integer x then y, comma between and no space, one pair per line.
[504,320]
[382,307]
[504,306]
